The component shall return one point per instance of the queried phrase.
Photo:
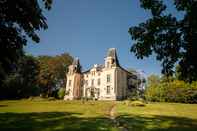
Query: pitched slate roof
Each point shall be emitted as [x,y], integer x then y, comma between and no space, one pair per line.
[112,53]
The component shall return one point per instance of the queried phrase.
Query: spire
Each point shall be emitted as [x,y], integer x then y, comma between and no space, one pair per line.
[112,53]
[76,61]
[76,65]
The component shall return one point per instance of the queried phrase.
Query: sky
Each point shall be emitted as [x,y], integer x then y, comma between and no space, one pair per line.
[88,28]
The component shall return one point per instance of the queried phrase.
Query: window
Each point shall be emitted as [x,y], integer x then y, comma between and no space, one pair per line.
[92,82]
[108,89]
[86,82]
[98,81]
[69,83]
[93,73]
[108,78]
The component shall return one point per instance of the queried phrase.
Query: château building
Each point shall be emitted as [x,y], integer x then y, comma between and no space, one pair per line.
[103,82]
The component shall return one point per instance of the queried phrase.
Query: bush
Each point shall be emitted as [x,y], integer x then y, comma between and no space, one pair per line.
[173,91]
[137,103]
[61,93]
[134,103]
[37,98]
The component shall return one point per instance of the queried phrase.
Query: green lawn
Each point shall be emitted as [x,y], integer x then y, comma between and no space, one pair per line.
[43,115]
[159,117]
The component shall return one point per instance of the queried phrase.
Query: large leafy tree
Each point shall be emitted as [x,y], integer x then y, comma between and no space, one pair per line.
[52,72]
[21,82]
[173,40]
[19,20]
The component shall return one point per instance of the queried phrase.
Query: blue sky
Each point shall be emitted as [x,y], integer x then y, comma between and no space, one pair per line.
[87,28]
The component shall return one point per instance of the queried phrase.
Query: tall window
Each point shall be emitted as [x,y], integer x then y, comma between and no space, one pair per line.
[69,83]
[108,78]
[86,82]
[108,89]
[98,81]
[92,82]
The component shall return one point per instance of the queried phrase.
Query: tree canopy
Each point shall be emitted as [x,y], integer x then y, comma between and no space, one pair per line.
[173,40]
[52,72]
[19,20]
[21,82]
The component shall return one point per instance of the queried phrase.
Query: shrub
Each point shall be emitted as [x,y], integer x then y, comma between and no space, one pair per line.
[134,103]
[172,91]
[61,93]
[137,103]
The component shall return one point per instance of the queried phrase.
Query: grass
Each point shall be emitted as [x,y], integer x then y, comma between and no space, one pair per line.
[42,115]
[159,117]
[28,115]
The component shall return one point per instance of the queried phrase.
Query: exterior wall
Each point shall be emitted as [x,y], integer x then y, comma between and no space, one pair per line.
[102,75]
[104,84]
[121,84]
[69,88]
[73,89]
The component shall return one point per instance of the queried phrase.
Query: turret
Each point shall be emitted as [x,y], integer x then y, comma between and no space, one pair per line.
[74,78]
[111,60]
[75,67]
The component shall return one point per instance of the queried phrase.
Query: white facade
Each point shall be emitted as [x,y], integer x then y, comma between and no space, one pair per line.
[103,82]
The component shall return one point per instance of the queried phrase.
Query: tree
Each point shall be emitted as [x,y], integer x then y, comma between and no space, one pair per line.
[19,20]
[21,83]
[171,39]
[153,80]
[52,72]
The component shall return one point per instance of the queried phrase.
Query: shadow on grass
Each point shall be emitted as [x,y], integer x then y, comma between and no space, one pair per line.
[3,105]
[157,123]
[56,121]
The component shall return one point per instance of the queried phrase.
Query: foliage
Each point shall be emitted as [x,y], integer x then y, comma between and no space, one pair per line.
[135,102]
[153,80]
[170,38]
[61,93]
[36,76]
[21,83]
[52,72]
[172,91]
[20,20]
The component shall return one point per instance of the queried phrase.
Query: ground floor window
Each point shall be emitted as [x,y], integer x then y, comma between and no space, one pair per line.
[69,83]
[108,89]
